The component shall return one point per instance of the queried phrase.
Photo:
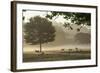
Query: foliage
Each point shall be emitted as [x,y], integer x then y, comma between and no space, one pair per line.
[39,30]
[77,18]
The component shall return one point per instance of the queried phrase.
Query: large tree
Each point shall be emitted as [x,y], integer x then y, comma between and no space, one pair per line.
[38,31]
[83,19]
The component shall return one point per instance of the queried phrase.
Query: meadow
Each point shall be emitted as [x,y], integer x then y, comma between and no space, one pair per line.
[58,55]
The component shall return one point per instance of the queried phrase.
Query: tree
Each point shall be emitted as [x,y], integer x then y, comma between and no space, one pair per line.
[76,18]
[38,31]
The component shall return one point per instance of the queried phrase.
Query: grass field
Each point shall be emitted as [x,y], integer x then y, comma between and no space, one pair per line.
[56,56]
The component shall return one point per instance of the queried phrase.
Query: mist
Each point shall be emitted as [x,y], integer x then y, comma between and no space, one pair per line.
[64,39]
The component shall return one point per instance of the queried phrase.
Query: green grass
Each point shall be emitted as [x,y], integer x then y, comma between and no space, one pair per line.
[56,56]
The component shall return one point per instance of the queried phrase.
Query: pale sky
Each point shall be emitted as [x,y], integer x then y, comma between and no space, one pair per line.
[31,13]
[28,14]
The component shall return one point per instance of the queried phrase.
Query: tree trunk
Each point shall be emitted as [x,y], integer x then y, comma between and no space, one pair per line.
[40,43]
[40,46]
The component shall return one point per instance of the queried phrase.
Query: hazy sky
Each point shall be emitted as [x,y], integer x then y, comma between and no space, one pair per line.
[29,14]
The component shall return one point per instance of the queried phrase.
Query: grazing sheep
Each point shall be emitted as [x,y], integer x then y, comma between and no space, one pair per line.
[37,51]
[42,53]
[76,49]
[62,49]
[70,50]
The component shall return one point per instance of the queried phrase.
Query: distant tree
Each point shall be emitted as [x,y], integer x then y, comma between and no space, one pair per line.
[75,17]
[38,31]
[83,38]
[76,49]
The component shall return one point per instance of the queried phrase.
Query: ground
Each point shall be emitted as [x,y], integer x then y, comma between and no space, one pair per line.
[56,56]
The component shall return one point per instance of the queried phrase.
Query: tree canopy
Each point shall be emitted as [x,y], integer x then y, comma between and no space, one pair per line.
[75,18]
[38,31]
